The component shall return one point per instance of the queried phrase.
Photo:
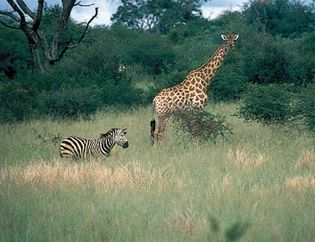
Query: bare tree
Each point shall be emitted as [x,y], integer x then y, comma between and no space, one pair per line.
[260,11]
[44,54]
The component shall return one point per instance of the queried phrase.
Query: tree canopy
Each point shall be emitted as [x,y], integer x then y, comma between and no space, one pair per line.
[156,15]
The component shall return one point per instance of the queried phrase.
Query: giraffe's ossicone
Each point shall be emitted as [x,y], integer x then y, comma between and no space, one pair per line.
[192,92]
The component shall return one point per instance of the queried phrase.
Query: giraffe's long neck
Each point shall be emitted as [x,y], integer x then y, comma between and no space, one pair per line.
[205,73]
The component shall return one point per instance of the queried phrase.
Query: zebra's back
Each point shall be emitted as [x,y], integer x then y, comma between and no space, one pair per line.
[75,147]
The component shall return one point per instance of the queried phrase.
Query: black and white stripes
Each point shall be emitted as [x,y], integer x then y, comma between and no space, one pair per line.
[82,148]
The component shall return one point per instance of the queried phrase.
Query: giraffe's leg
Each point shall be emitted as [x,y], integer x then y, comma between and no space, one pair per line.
[160,127]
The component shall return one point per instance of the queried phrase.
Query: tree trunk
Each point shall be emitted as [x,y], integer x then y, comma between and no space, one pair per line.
[35,51]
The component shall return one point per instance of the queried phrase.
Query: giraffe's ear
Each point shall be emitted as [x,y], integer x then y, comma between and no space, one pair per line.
[223,37]
[236,37]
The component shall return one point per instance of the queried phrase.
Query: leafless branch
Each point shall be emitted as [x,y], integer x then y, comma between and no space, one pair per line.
[83,5]
[64,50]
[70,44]
[10,14]
[11,26]
[63,20]
[87,25]
[39,15]
[26,9]
[18,10]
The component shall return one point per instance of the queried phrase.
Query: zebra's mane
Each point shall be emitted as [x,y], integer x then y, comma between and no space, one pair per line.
[108,133]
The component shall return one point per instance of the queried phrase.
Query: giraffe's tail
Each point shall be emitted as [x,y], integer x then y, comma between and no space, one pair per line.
[153,122]
[152,125]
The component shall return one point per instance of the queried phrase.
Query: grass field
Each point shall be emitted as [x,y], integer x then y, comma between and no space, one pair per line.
[257,186]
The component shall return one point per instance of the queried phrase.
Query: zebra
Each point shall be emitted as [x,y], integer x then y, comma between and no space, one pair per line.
[81,148]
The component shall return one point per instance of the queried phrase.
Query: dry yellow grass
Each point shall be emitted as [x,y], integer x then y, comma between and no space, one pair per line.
[102,177]
[300,183]
[226,183]
[185,222]
[243,158]
[306,160]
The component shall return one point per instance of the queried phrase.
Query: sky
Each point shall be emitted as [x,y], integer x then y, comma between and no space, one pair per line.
[210,10]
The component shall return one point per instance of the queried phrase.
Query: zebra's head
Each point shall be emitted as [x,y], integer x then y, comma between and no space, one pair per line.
[118,136]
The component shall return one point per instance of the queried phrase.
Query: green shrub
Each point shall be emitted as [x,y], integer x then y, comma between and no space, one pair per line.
[228,85]
[121,92]
[267,61]
[69,103]
[305,109]
[201,125]
[266,104]
[15,102]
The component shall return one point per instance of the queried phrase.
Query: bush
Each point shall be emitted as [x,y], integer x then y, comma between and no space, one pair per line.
[266,104]
[229,84]
[15,102]
[69,103]
[305,109]
[202,126]
[121,92]
[152,51]
[267,61]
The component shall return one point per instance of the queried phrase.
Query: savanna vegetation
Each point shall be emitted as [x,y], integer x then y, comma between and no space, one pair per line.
[258,185]
[250,179]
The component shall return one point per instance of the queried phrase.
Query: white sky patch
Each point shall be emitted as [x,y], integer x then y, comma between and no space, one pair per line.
[105,11]
[209,12]
[214,8]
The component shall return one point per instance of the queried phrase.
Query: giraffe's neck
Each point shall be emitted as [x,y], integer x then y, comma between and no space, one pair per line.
[205,73]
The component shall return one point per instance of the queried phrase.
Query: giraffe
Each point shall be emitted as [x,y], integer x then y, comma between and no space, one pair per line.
[192,92]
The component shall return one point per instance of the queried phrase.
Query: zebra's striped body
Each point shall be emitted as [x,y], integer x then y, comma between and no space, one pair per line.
[82,148]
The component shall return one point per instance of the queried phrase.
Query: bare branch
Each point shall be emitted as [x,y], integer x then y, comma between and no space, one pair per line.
[23,24]
[39,15]
[83,5]
[26,9]
[69,44]
[87,26]
[11,15]
[10,25]
[64,50]
[18,10]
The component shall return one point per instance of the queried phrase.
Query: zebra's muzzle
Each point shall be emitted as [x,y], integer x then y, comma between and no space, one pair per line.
[125,145]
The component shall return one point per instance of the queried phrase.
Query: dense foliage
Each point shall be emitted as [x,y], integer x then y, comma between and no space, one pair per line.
[125,65]
[267,104]
[201,125]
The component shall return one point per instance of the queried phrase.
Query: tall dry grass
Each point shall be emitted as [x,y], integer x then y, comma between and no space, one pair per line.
[93,173]
[257,186]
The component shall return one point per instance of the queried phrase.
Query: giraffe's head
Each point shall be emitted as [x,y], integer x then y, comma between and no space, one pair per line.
[229,40]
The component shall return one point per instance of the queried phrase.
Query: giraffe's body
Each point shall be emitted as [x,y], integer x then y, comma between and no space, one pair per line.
[190,93]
